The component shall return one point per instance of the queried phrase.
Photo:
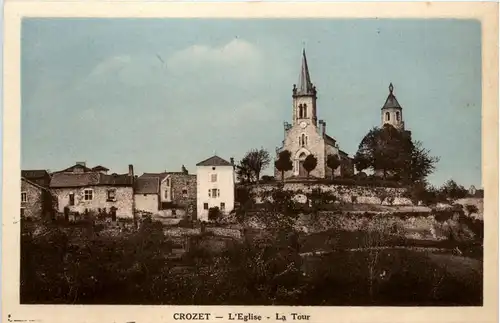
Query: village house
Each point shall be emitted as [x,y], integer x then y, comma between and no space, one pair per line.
[36,201]
[82,189]
[177,192]
[215,186]
[147,194]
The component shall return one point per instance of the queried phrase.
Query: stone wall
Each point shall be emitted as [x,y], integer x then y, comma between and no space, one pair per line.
[360,194]
[124,202]
[32,208]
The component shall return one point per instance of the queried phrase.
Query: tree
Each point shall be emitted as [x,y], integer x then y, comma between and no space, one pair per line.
[254,162]
[452,191]
[393,152]
[284,163]
[333,161]
[243,171]
[310,163]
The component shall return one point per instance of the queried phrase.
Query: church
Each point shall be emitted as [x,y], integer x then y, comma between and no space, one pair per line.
[307,135]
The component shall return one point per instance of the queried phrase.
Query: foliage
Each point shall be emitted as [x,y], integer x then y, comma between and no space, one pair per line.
[214,213]
[252,164]
[452,191]
[333,161]
[310,163]
[284,163]
[267,178]
[393,152]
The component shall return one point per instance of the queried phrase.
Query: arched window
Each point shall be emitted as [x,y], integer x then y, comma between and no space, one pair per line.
[387,116]
[397,116]
[301,111]
[305,110]
[303,141]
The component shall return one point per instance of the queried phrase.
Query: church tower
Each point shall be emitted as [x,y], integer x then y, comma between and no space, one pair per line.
[392,113]
[304,97]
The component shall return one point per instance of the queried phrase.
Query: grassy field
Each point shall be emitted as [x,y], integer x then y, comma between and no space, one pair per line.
[395,277]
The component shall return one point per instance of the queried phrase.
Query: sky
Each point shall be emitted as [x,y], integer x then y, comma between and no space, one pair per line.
[162,93]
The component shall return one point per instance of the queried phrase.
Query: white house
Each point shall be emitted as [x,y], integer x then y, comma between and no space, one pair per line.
[215,186]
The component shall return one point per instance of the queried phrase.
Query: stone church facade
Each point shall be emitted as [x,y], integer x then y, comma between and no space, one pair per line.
[307,135]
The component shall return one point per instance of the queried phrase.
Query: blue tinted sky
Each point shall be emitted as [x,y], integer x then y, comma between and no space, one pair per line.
[159,93]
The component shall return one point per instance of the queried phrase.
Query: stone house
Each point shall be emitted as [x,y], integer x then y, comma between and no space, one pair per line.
[82,189]
[37,201]
[146,194]
[307,135]
[215,186]
[177,192]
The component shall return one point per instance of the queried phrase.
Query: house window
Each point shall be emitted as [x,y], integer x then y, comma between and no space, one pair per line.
[22,212]
[166,194]
[214,192]
[214,178]
[111,195]
[88,195]
[184,193]
[174,212]
[168,181]
[222,206]
[387,116]
[71,198]
[205,206]
[24,197]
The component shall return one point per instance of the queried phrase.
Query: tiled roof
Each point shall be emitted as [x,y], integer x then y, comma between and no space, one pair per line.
[214,161]
[70,169]
[99,168]
[62,179]
[34,184]
[34,173]
[162,175]
[147,185]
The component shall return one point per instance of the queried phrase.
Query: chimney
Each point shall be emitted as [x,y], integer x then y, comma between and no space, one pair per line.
[131,170]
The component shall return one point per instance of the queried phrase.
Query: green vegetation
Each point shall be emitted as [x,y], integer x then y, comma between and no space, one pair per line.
[394,153]
[83,265]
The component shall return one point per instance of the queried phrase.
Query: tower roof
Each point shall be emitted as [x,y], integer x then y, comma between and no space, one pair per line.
[391,101]
[305,86]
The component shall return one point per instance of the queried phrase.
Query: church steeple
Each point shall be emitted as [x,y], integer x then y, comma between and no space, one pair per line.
[304,96]
[305,85]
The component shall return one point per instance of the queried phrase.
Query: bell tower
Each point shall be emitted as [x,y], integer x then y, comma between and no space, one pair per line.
[304,97]
[392,112]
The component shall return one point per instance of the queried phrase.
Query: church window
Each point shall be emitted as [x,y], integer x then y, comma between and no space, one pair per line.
[303,141]
[301,111]
[305,110]
[397,116]
[387,116]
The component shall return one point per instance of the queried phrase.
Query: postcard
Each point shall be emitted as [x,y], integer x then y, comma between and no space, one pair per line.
[244,162]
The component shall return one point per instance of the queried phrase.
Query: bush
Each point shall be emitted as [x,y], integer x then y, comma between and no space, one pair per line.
[214,213]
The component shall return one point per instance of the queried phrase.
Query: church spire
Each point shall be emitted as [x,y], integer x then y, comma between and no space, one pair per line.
[305,86]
